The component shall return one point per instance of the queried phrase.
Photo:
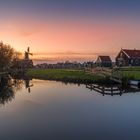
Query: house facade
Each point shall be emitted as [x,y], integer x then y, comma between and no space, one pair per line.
[128,58]
[103,61]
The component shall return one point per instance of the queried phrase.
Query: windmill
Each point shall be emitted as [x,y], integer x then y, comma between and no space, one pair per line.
[27,53]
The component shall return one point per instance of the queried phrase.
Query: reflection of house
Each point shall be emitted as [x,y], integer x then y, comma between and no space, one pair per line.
[104,61]
[128,58]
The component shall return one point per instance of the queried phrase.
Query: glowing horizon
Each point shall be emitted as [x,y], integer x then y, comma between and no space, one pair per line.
[72,29]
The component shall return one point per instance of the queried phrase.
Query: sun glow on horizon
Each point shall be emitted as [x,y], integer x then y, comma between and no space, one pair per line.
[79,35]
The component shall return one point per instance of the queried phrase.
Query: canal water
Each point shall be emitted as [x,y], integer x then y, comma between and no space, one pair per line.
[49,110]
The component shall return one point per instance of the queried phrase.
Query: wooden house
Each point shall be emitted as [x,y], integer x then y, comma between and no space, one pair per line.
[103,61]
[128,58]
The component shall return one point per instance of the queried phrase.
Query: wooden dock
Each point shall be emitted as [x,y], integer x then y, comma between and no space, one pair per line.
[115,75]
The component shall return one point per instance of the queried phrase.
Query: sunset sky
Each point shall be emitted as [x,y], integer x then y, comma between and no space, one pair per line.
[70,29]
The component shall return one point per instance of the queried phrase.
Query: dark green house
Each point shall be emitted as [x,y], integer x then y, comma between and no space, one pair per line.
[104,61]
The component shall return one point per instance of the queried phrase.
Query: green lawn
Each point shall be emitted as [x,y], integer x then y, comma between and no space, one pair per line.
[77,76]
[130,73]
[80,76]
[129,68]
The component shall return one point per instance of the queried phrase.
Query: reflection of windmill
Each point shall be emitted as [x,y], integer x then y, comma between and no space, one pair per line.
[28,85]
[27,53]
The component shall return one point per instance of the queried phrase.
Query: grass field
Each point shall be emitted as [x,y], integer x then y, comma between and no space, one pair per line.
[76,76]
[80,76]
[130,69]
[130,73]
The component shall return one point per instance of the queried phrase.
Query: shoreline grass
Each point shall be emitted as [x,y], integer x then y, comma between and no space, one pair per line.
[129,73]
[66,75]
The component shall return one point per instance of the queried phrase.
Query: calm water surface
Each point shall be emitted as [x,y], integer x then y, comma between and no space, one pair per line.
[55,111]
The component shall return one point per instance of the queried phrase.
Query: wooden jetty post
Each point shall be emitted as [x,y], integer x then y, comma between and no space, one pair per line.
[117,76]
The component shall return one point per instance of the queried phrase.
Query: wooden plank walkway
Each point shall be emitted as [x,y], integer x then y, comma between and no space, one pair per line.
[114,74]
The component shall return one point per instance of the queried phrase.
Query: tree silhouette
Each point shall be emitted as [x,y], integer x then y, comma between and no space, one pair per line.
[6,56]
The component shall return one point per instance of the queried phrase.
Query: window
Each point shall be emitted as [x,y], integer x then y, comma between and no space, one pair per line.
[132,61]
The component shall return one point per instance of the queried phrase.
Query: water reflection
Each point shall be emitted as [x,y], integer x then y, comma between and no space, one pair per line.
[28,85]
[112,89]
[58,111]
[9,87]
[7,94]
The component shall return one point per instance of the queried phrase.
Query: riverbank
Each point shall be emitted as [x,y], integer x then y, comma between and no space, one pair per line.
[81,76]
[66,75]
[130,73]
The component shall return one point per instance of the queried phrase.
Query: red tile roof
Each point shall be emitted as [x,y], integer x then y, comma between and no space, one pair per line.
[132,53]
[105,58]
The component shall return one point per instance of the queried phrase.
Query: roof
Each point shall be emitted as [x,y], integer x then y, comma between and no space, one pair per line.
[132,53]
[105,58]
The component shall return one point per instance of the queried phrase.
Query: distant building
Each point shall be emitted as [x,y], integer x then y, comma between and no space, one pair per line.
[22,64]
[89,64]
[128,58]
[60,65]
[103,61]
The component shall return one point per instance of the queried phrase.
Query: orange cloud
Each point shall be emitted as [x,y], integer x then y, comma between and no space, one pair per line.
[26,34]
